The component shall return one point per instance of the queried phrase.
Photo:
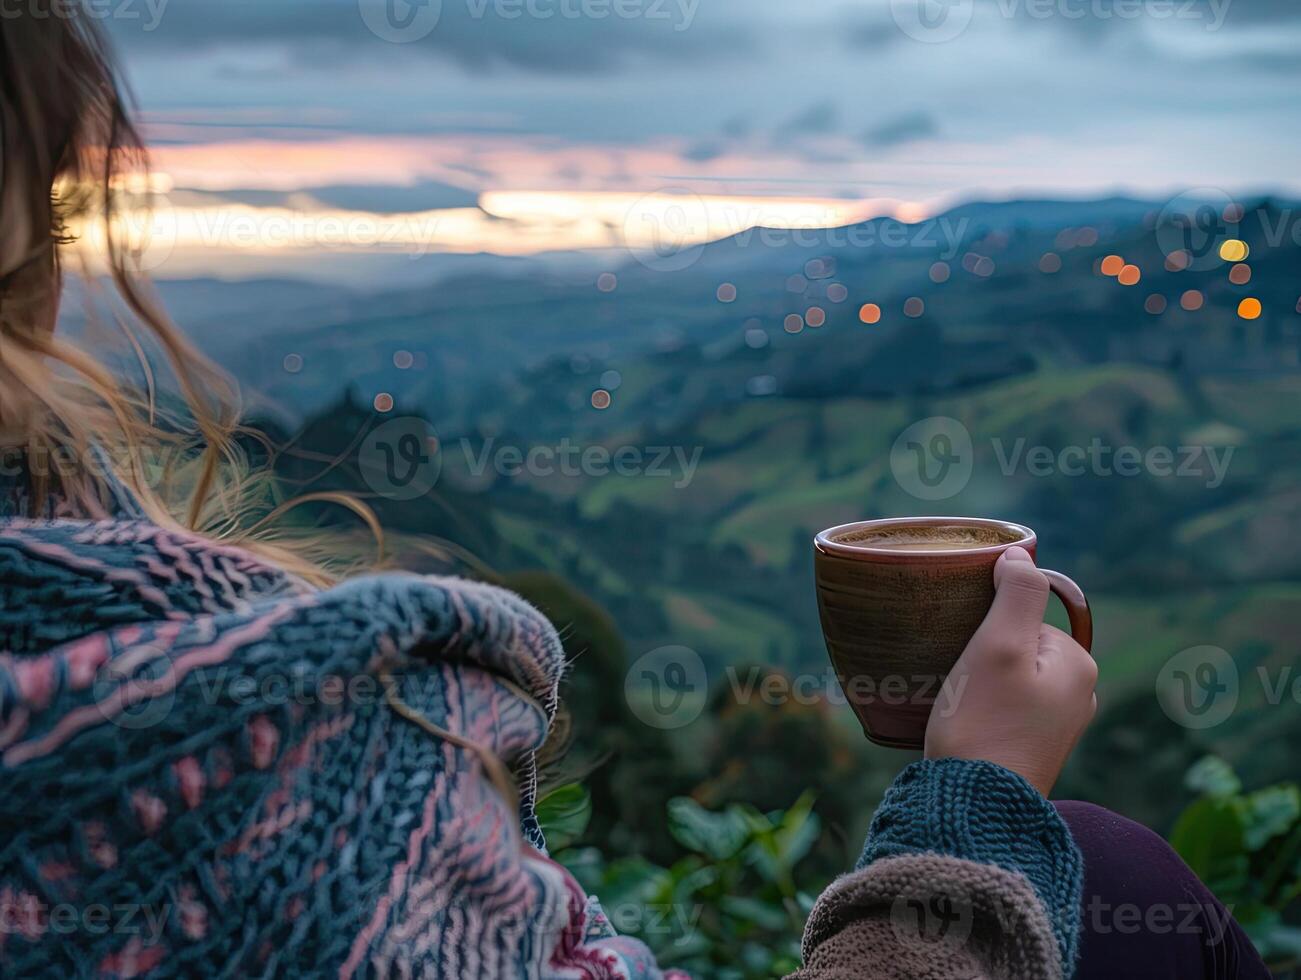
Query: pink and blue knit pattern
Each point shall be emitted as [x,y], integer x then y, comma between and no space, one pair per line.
[202,775]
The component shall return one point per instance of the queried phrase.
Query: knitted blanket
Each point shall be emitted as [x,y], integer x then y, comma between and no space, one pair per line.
[205,771]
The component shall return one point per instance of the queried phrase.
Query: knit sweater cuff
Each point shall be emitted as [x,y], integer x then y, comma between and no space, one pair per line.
[982,812]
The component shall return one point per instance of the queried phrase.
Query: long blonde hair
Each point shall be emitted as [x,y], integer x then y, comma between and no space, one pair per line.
[68,152]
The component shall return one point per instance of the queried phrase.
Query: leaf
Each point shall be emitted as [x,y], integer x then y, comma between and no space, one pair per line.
[1209,837]
[718,835]
[752,910]
[689,880]
[804,902]
[1277,941]
[798,831]
[775,851]
[563,814]
[1212,776]
[676,948]
[586,865]
[756,957]
[1280,878]
[634,882]
[1268,813]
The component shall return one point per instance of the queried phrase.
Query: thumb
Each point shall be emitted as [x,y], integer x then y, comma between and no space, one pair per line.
[1020,599]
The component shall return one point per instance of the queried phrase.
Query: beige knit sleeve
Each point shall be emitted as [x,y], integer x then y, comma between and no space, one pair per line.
[929,917]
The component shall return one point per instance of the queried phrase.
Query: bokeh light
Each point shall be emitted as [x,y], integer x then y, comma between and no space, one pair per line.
[601,399]
[726,292]
[403,359]
[1178,261]
[823,268]
[815,316]
[1050,263]
[1129,275]
[794,323]
[871,313]
[383,402]
[293,363]
[607,282]
[1234,250]
[1249,308]
[1192,300]
[837,292]
[940,272]
[1240,274]
[914,307]
[1155,304]
[1111,265]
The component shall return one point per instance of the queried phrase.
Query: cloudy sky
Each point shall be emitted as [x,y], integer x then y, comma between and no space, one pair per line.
[528,124]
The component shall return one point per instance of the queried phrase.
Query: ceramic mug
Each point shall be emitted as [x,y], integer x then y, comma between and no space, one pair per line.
[900,598]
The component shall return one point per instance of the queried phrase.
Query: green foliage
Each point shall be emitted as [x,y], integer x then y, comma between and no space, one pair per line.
[1247,848]
[564,814]
[731,907]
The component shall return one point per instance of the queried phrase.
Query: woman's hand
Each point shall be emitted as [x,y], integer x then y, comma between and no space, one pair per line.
[1022,692]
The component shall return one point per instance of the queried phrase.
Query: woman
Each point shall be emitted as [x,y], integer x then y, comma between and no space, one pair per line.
[217,761]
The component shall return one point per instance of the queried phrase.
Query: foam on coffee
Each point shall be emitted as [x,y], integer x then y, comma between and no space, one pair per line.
[936,537]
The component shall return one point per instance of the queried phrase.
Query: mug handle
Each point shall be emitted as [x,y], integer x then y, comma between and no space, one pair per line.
[1077,607]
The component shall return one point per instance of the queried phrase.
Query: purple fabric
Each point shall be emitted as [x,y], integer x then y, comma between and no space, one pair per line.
[1144,913]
